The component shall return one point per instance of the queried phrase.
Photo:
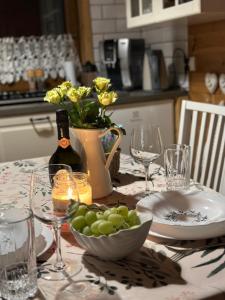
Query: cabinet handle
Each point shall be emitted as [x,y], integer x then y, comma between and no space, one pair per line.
[36,121]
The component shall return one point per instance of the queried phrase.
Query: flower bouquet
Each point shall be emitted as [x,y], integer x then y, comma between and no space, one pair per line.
[86,106]
[90,122]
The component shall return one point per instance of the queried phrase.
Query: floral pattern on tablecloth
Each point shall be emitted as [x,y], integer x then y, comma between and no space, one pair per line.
[15,178]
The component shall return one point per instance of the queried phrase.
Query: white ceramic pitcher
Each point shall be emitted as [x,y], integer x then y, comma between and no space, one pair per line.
[96,164]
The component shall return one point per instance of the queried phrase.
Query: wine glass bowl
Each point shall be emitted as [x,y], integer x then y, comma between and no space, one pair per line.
[146,146]
[52,188]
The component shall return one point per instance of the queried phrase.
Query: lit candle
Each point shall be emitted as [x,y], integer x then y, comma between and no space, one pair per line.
[85,194]
[83,187]
[63,191]
[61,196]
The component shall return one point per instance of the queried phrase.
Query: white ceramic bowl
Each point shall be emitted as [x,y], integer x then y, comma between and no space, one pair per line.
[119,244]
[186,215]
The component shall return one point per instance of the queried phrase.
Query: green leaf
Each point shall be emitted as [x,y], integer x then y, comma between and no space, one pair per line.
[217,270]
[208,251]
[211,261]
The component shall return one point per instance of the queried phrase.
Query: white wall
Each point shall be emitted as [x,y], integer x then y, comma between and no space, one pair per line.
[109,21]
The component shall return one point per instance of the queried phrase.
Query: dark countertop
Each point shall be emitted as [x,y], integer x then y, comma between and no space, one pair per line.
[39,106]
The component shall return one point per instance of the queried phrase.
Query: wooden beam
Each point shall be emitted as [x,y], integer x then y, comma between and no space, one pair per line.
[85,31]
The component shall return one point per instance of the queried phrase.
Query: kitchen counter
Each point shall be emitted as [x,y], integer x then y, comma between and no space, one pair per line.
[125,97]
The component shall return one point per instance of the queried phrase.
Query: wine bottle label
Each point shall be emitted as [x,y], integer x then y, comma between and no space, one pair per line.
[64,143]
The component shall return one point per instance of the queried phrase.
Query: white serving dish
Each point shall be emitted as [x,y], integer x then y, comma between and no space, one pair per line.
[194,215]
[117,245]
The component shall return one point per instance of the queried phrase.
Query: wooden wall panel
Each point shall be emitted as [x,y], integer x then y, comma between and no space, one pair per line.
[206,43]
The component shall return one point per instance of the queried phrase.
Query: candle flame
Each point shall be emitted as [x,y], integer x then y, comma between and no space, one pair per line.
[70,193]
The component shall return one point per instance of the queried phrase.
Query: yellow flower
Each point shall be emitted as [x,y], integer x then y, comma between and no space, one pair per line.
[53,96]
[101,84]
[83,91]
[107,98]
[65,86]
[73,95]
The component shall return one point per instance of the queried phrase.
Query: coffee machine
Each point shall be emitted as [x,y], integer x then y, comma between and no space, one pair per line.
[122,60]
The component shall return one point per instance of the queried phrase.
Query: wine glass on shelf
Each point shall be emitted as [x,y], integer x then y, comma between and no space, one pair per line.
[146,146]
[52,188]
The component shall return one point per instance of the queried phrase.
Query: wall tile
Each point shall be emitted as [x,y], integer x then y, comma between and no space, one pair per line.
[168,48]
[101,1]
[96,39]
[103,26]
[121,25]
[96,12]
[96,55]
[113,11]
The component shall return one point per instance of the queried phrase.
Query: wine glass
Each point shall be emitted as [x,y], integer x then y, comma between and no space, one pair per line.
[146,146]
[52,188]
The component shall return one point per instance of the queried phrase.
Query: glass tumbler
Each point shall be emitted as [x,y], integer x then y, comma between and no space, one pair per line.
[177,167]
[18,272]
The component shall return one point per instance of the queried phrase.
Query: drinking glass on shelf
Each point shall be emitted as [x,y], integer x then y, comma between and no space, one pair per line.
[52,188]
[146,146]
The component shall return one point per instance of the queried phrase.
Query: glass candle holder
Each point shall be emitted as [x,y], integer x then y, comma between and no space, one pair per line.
[62,191]
[83,187]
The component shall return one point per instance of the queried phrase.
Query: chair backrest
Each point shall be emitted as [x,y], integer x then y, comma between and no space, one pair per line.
[202,126]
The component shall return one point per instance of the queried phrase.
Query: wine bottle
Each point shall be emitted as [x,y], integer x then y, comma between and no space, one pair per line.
[64,153]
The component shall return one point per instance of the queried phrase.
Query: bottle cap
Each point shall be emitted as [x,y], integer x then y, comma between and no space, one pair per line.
[62,116]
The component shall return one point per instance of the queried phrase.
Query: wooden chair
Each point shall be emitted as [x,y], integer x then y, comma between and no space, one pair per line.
[202,126]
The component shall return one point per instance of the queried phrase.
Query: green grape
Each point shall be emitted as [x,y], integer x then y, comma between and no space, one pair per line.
[125,225]
[87,231]
[81,211]
[97,234]
[94,227]
[122,210]
[113,210]
[106,213]
[133,218]
[90,217]
[116,219]
[79,223]
[100,215]
[106,227]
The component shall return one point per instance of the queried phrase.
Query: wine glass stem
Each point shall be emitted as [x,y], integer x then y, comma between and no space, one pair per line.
[146,179]
[59,264]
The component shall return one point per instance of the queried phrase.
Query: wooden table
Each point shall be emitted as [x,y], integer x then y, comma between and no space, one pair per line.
[146,274]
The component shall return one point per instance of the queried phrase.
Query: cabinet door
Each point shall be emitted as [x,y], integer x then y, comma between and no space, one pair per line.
[156,112]
[173,9]
[139,12]
[144,12]
[27,137]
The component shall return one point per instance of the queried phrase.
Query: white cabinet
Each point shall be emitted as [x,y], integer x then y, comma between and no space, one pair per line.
[144,12]
[36,135]
[157,112]
[27,136]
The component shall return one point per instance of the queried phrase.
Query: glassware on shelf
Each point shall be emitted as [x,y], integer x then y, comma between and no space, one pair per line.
[52,188]
[47,53]
[146,146]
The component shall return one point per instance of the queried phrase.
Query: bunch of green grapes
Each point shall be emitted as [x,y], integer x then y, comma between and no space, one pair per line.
[94,221]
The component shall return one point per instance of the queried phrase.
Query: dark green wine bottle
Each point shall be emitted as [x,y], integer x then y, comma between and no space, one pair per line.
[64,153]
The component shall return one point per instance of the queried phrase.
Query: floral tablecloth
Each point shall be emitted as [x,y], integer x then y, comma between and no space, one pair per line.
[146,274]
